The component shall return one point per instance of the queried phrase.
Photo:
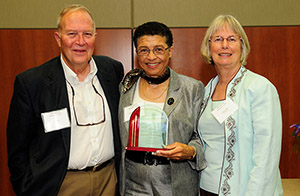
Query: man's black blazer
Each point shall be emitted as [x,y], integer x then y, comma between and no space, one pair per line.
[37,160]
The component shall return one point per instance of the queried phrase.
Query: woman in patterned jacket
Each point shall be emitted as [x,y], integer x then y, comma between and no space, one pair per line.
[241,124]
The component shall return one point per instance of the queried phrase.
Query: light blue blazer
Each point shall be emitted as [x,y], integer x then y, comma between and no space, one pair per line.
[252,137]
[183,115]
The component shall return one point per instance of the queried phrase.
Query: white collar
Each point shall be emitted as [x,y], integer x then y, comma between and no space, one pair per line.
[71,76]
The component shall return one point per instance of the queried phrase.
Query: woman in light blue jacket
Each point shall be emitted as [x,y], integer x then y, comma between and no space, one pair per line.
[241,123]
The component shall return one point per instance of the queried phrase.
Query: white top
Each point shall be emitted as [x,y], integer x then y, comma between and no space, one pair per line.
[138,100]
[90,145]
[213,135]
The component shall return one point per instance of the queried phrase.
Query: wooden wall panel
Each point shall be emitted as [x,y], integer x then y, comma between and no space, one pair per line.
[186,57]
[274,54]
[115,43]
[19,50]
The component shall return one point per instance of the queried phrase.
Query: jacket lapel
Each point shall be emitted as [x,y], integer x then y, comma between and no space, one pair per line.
[58,89]
[127,100]
[174,95]
[106,84]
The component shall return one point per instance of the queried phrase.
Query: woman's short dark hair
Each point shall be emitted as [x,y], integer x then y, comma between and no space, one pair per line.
[153,28]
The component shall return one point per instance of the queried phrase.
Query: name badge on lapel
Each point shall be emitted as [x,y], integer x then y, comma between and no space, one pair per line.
[224,110]
[56,120]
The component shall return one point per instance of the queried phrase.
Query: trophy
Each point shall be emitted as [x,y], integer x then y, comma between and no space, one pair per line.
[148,129]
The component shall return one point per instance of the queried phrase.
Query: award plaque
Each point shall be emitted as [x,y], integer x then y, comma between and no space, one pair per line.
[148,129]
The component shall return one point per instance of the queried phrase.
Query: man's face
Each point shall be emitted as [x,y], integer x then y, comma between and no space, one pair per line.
[76,39]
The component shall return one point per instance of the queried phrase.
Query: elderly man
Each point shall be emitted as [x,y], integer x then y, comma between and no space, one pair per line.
[62,130]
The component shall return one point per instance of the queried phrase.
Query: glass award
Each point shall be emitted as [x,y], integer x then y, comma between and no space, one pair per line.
[148,129]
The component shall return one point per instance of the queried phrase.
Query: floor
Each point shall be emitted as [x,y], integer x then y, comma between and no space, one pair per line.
[291,187]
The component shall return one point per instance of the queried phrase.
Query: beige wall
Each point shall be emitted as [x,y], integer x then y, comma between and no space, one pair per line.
[43,13]
[175,13]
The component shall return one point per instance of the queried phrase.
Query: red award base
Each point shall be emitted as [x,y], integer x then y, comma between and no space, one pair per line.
[143,149]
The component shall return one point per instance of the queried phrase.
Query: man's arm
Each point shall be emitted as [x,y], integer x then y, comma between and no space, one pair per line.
[19,126]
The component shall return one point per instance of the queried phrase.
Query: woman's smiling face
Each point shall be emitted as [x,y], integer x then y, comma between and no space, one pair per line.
[225,47]
[153,64]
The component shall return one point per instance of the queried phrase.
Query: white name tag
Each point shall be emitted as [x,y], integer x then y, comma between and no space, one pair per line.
[56,120]
[224,110]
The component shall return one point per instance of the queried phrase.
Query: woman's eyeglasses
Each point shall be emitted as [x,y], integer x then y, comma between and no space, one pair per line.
[159,50]
[219,39]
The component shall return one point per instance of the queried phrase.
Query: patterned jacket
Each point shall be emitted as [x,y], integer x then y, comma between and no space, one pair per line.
[252,137]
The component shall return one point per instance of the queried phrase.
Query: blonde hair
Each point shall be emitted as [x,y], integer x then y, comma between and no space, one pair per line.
[73,8]
[223,21]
